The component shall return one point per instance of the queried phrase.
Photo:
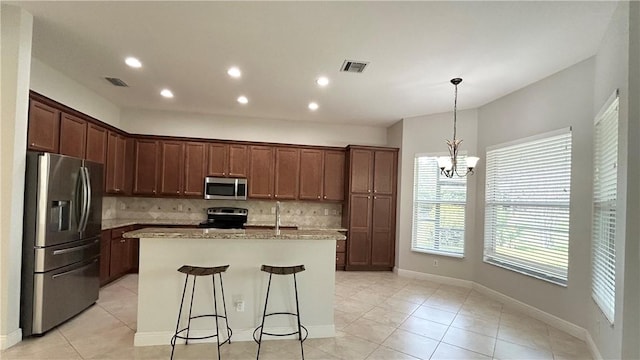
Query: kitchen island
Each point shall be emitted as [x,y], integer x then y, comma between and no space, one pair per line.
[164,250]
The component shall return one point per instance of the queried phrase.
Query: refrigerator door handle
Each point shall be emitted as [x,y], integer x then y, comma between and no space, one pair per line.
[83,203]
[87,208]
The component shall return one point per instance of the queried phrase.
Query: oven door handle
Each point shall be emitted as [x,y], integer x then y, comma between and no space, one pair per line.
[235,190]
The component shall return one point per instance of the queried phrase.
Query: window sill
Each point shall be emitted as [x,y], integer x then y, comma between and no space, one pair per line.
[439,253]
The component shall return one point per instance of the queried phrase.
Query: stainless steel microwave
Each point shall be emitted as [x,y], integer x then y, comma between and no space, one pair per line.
[216,188]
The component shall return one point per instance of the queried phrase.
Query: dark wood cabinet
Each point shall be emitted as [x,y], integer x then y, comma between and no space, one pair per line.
[333,177]
[287,169]
[73,136]
[261,171]
[96,149]
[371,208]
[311,174]
[44,127]
[195,167]
[171,167]
[105,256]
[361,171]
[227,160]
[146,167]
[117,171]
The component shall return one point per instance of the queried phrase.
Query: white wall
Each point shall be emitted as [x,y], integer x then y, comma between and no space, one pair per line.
[559,101]
[394,139]
[57,86]
[428,134]
[17,26]
[611,73]
[249,129]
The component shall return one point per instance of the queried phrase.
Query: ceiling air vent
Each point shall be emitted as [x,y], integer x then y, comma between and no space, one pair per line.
[353,66]
[116,82]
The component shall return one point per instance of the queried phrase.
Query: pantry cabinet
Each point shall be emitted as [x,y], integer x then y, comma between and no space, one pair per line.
[370,208]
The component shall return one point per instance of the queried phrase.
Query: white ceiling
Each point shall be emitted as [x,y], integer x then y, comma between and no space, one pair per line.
[414,49]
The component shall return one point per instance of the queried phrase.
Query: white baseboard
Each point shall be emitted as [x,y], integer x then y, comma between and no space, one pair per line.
[164,337]
[435,278]
[7,341]
[566,326]
[595,352]
[558,323]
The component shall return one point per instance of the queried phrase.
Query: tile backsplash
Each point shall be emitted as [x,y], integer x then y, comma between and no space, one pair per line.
[300,213]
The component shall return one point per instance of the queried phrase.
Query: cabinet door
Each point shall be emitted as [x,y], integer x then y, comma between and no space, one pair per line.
[218,160]
[361,166]
[311,166]
[134,251]
[105,256]
[260,172]
[238,161]
[73,136]
[171,168]
[120,258]
[359,230]
[96,144]
[146,167]
[382,231]
[286,171]
[44,128]
[115,171]
[334,175]
[195,165]
[384,172]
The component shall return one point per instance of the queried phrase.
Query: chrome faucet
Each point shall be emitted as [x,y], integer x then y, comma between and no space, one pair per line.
[277,217]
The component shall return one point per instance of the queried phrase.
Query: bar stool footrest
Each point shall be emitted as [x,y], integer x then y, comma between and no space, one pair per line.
[178,336]
[302,327]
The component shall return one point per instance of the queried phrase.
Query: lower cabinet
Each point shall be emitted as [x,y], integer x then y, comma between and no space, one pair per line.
[118,255]
[341,248]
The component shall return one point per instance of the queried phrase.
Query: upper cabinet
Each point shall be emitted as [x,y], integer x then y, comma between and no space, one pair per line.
[361,170]
[96,149]
[227,160]
[311,174]
[333,175]
[117,169]
[286,171]
[73,136]
[321,175]
[171,167]
[195,168]
[146,167]
[44,127]
[261,172]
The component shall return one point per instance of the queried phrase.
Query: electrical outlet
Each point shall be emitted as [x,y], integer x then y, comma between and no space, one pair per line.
[180,207]
[273,210]
[435,263]
[326,212]
[240,306]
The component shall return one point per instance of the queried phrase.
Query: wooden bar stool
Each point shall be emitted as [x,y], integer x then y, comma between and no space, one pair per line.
[196,271]
[281,270]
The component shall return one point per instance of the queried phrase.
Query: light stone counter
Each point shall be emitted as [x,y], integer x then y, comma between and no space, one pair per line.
[116,223]
[173,233]
[160,285]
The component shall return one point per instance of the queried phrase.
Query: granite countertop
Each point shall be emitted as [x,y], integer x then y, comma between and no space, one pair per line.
[235,234]
[116,223]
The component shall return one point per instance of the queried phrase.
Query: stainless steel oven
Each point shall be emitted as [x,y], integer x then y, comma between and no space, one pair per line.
[216,188]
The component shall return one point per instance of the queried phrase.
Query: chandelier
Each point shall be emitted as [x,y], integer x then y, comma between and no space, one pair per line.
[449,164]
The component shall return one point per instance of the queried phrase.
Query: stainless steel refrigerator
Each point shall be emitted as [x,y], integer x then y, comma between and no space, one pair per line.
[61,241]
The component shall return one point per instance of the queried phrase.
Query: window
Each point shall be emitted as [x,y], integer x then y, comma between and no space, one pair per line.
[438,209]
[526,222]
[605,164]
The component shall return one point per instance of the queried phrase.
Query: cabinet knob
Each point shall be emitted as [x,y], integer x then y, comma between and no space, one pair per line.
[375,191]
[33,144]
[318,196]
[224,173]
[325,196]
[276,195]
[375,197]
[154,191]
[269,195]
[368,190]
[122,240]
[368,197]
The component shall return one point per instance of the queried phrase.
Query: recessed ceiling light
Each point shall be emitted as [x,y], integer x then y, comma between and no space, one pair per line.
[313,106]
[234,72]
[243,99]
[166,93]
[322,81]
[133,62]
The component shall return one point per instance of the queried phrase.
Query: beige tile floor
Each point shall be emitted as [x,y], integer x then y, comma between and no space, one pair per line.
[377,316]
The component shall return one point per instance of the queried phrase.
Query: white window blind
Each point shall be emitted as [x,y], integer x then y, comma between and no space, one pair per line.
[605,161]
[527,206]
[438,209]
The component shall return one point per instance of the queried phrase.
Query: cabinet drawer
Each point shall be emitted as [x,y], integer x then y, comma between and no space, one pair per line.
[340,259]
[341,246]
